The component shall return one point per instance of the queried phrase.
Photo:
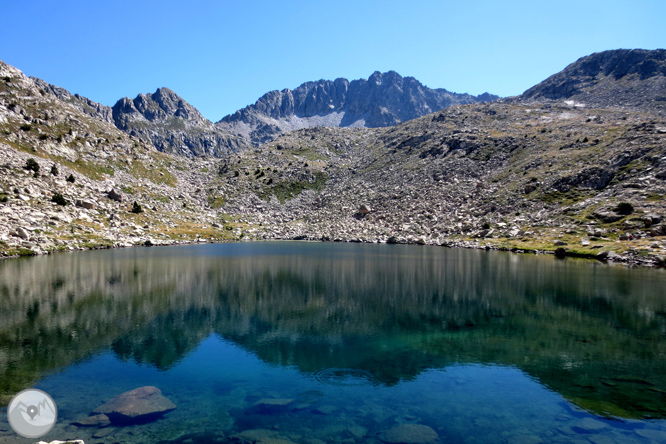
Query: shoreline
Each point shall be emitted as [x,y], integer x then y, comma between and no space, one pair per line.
[604,256]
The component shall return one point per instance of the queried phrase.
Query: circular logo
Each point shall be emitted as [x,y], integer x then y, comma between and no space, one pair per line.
[32,413]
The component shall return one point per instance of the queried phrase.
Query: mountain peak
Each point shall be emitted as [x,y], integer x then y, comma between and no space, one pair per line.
[383,99]
[634,78]
[172,124]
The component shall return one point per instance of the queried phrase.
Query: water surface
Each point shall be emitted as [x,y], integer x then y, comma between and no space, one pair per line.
[354,340]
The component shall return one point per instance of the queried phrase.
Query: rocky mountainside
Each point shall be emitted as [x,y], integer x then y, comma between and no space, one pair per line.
[545,176]
[384,99]
[497,175]
[622,78]
[173,125]
[83,104]
[69,180]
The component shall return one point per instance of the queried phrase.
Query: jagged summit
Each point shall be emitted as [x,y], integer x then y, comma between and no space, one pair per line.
[384,99]
[172,125]
[175,126]
[631,78]
[160,105]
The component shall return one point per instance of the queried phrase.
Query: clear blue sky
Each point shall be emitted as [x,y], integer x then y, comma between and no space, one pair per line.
[221,55]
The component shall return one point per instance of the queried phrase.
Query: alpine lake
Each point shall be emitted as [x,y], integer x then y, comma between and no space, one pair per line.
[313,343]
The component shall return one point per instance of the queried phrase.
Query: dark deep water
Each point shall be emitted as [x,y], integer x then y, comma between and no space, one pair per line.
[353,339]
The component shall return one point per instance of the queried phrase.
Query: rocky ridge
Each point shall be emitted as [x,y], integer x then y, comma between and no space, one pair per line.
[173,125]
[623,78]
[83,104]
[384,99]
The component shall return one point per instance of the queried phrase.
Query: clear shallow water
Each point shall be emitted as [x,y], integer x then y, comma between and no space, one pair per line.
[479,346]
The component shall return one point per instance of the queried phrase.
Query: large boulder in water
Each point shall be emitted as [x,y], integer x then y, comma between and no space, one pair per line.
[143,404]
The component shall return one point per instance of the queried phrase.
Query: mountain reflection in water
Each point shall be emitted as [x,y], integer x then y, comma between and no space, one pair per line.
[596,334]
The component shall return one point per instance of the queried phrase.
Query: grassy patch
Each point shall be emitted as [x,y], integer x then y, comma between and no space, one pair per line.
[156,174]
[216,201]
[13,251]
[567,198]
[191,231]
[287,190]
[89,169]
[310,153]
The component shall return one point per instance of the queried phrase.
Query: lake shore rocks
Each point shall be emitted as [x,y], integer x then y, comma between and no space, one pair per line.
[140,405]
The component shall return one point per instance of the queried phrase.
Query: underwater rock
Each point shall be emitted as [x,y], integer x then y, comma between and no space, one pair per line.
[589,425]
[408,434]
[269,406]
[325,410]
[143,404]
[93,421]
[101,433]
[258,436]
[655,435]
[357,431]
[525,439]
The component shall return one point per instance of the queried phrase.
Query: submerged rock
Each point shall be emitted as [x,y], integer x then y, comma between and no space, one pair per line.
[525,439]
[93,421]
[259,436]
[269,406]
[589,425]
[325,410]
[408,434]
[655,435]
[143,404]
[101,433]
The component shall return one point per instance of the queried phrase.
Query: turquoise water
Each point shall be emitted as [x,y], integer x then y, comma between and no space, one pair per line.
[351,340]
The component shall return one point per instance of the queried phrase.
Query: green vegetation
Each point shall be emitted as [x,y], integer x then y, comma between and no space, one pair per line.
[136,208]
[70,178]
[54,170]
[572,196]
[624,208]
[31,165]
[287,190]
[157,174]
[308,152]
[59,199]
[216,201]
